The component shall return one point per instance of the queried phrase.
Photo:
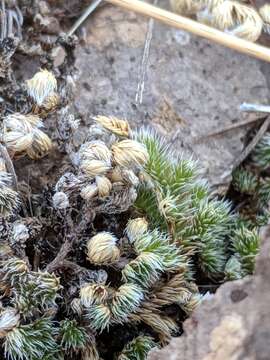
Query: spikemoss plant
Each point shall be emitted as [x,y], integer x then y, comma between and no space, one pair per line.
[177,201]
[115,273]
[251,191]
[108,262]
[175,236]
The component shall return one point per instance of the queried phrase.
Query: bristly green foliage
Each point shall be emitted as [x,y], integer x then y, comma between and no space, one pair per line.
[179,200]
[34,341]
[156,255]
[34,291]
[99,317]
[137,349]
[147,200]
[126,300]
[263,193]
[245,245]
[184,236]
[233,268]
[254,190]
[245,181]
[73,336]
[103,310]
[261,153]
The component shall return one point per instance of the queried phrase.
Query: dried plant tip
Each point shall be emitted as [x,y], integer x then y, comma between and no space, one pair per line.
[21,123]
[92,168]
[49,281]
[17,142]
[116,175]
[238,19]
[96,150]
[9,201]
[60,201]
[90,353]
[104,186]
[89,191]
[19,130]
[5,251]
[51,103]
[42,85]
[102,249]
[93,294]
[41,145]
[264,11]
[115,125]
[9,319]
[192,303]
[130,153]
[136,228]
[14,267]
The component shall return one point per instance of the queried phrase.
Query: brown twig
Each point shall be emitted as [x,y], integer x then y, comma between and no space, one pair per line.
[62,254]
[71,235]
[73,266]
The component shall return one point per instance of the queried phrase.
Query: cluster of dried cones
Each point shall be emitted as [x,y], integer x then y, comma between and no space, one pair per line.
[22,133]
[107,168]
[110,168]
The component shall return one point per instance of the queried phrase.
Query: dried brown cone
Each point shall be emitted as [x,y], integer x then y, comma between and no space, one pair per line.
[129,153]
[41,145]
[174,291]
[115,125]
[48,106]
[42,85]
[104,186]
[163,325]
[102,249]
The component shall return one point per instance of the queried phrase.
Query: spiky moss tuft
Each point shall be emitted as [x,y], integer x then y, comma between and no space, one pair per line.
[137,349]
[73,336]
[179,202]
[32,342]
